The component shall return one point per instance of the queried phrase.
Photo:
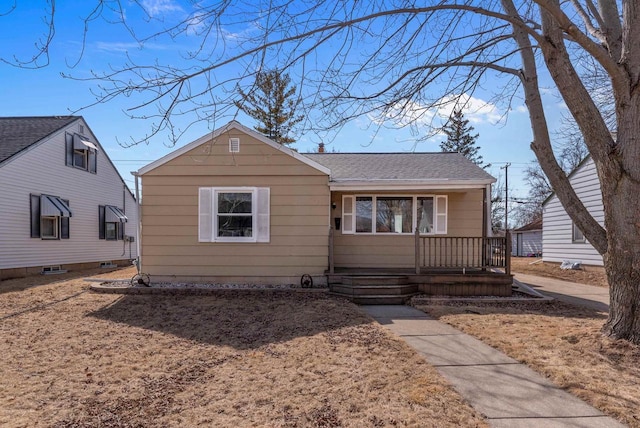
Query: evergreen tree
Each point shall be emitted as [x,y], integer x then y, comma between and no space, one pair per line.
[460,139]
[271,103]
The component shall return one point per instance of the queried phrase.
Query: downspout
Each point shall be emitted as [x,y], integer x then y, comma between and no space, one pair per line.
[138,223]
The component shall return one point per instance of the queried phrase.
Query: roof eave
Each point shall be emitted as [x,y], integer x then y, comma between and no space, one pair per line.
[355,185]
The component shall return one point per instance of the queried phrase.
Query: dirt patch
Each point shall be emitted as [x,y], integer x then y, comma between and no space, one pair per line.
[590,275]
[73,358]
[562,342]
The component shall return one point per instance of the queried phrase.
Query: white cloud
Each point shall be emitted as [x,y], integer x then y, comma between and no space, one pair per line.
[251,29]
[159,7]
[521,109]
[127,46]
[475,110]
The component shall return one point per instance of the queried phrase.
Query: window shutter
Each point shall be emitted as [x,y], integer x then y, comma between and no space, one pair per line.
[101,227]
[35,216]
[93,161]
[348,215]
[64,224]
[263,217]
[121,231]
[205,217]
[441,215]
[68,149]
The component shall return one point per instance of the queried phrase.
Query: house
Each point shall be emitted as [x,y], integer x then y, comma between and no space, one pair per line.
[64,205]
[561,239]
[526,241]
[234,206]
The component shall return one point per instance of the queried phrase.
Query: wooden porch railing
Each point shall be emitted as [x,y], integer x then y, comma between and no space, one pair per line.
[445,252]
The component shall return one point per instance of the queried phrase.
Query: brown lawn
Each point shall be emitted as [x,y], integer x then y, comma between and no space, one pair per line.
[73,358]
[562,342]
[590,275]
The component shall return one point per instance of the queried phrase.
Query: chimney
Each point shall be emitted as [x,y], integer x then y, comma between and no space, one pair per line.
[320,147]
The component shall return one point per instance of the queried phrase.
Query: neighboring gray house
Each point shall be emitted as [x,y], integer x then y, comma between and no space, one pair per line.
[526,241]
[561,239]
[63,203]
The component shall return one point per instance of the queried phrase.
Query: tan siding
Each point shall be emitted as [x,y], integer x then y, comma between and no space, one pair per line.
[299,220]
[465,217]
[192,240]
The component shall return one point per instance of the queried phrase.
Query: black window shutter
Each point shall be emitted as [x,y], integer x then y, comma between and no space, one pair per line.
[68,149]
[93,161]
[64,225]
[101,231]
[35,216]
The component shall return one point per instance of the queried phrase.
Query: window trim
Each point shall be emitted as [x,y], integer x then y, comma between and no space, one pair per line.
[106,231]
[85,157]
[349,228]
[254,232]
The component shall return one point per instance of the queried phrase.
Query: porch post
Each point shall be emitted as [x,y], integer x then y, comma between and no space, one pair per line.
[507,268]
[331,267]
[417,252]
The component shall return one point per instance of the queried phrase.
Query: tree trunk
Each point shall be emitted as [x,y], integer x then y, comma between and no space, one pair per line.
[622,262]
[621,199]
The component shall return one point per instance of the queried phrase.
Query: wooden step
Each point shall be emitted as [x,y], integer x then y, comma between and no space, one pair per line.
[362,290]
[375,280]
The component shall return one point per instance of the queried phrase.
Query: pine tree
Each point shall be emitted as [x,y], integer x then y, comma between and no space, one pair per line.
[271,103]
[460,139]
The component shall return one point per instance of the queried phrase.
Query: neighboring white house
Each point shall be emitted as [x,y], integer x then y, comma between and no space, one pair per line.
[561,239]
[64,205]
[526,241]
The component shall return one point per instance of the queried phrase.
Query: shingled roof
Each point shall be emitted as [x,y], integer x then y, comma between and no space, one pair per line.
[440,166]
[19,133]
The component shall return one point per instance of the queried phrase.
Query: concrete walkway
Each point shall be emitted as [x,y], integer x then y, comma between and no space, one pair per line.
[569,292]
[508,393]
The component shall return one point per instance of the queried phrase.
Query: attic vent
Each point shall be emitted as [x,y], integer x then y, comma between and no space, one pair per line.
[81,129]
[234,145]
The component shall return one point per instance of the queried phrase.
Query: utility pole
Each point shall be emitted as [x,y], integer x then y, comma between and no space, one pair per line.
[506,196]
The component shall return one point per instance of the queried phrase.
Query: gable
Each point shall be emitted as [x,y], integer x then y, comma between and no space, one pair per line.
[233,150]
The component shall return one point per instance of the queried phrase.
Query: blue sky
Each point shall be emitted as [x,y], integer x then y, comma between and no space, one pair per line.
[45,92]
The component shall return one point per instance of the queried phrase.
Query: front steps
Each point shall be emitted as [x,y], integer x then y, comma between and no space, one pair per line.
[373,289]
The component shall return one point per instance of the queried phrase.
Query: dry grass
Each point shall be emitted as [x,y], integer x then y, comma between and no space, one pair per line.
[72,358]
[562,342]
[590,275]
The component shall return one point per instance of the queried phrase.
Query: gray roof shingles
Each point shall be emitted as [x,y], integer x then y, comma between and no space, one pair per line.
[399,166]
[19,133]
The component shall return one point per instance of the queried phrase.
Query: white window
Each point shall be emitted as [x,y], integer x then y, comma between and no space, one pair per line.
[49,227]
[394,214]
[239,214]
[577,235]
